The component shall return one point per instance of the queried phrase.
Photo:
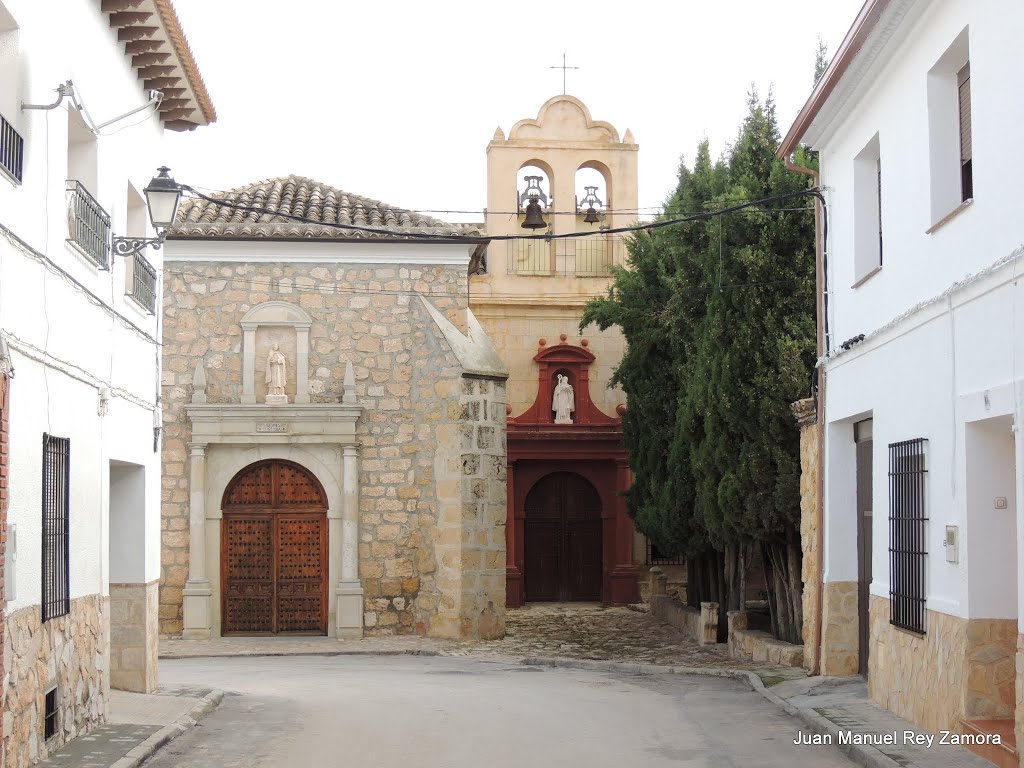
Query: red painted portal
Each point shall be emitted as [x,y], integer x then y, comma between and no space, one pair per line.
[591,448]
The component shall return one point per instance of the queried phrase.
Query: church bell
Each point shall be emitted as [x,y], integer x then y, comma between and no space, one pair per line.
[591,217]
[534,216]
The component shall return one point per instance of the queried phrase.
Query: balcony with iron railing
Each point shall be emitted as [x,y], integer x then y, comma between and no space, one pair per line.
[592,256]
[141,282]
[12,150]
[88,225]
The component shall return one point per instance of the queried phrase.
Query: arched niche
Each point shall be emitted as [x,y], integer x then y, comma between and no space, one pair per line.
[286,325]
[594,173]
[535,168]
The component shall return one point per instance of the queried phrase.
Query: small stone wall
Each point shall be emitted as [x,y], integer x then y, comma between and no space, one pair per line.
[700,626]
[134,636]
[754,645]
[69,651]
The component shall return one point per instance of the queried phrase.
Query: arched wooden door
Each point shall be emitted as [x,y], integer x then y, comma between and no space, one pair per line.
[562,547]
[274,552]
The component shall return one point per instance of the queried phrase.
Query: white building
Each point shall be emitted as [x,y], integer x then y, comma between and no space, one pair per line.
[80,351]
[924,364]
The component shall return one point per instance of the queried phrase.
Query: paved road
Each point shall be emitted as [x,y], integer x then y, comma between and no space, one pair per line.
[438,712]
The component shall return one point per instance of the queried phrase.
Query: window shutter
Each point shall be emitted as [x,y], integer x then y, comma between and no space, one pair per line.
[963,80]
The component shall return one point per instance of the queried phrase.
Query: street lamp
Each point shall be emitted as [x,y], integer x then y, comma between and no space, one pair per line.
[163,195]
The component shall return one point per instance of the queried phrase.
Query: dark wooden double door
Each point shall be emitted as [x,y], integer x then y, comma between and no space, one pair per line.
[562,547]
[274,552]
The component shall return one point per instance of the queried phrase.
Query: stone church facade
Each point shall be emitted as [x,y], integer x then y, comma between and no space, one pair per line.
[373,500]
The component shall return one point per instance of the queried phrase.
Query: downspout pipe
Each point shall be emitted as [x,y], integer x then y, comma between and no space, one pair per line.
[821,289]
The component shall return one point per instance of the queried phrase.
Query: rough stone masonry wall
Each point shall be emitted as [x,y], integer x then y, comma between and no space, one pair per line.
[810,520]
[68,651]
[407,379]
[471,469]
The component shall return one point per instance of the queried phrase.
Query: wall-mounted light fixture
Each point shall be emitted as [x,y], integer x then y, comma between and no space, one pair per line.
[163,195]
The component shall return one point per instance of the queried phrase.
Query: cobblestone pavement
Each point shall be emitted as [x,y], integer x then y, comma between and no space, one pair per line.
[591,631]
[566,630]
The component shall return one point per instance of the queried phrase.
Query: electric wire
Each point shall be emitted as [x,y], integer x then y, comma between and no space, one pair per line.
[482,239]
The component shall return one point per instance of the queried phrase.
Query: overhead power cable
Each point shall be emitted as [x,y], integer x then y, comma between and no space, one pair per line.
[481,239]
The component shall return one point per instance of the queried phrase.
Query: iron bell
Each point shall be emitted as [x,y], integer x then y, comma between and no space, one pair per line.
[591,217]
[534,216]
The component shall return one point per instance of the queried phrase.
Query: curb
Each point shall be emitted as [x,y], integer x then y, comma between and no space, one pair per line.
[862,754]
[169,733]
[264,654]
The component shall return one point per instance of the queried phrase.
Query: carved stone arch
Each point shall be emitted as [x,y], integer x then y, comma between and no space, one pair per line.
[275,483]
[276,314]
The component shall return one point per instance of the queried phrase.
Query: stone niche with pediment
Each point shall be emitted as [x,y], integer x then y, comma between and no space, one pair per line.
[284,324]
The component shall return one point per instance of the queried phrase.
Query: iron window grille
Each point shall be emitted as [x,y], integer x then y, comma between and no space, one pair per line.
[50,715]
[908,527]
[56,522]
[88,225]
[142,282]
[656,557]
[12,150]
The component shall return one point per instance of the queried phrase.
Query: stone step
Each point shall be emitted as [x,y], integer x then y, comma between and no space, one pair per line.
[1003,754]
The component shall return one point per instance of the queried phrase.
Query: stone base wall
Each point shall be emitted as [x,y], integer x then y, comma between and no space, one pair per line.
[1019,690]
[920,678]
[133,636]
[840,639]
[960,669]
[991,660]
[70,652]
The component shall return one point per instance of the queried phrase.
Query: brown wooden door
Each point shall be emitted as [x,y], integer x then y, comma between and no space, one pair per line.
[562,547]
[274,552]
[864,443]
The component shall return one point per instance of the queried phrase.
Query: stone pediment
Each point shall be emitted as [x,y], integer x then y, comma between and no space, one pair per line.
[564,118]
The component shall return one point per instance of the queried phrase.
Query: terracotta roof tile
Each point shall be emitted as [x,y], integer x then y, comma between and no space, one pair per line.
[319,205]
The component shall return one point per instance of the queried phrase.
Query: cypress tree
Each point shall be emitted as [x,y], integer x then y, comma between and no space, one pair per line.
[718,315]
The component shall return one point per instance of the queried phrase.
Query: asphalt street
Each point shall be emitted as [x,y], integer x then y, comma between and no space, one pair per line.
[441,712]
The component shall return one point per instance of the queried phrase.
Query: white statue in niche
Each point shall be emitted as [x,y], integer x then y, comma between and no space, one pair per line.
[563,402]
[277,376]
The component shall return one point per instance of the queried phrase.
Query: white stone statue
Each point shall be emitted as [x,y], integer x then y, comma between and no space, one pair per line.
[277,376]
[563,402]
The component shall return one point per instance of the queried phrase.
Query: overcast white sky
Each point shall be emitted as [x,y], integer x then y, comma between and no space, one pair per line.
[397,100]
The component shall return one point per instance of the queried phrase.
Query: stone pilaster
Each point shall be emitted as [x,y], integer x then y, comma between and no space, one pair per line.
[197,596]
[134,637]
[349,592]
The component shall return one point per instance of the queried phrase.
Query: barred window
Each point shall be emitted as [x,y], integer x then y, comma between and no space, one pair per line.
[56,486]
[908,543]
